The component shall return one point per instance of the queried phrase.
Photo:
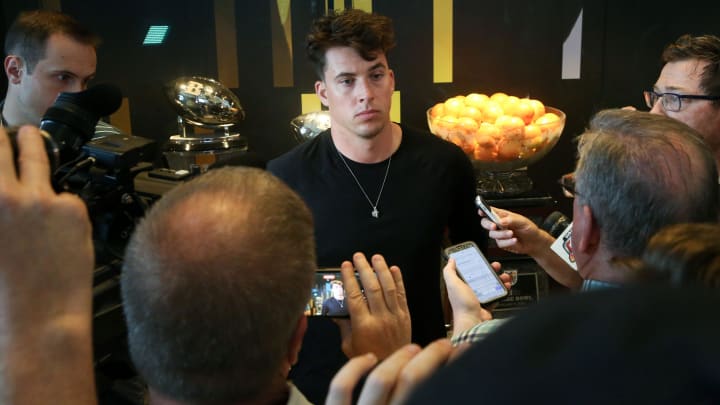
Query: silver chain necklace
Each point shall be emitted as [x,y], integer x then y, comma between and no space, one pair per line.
[375,213]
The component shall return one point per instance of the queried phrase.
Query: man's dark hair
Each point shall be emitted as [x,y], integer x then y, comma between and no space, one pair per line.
[705,48]
[369,34]
[28,34]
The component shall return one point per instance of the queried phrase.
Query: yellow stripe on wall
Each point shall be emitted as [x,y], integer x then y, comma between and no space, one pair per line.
[226,43]
[121,117]
[364,5]
[282,51]
[310,102]
[442,41]
[395,108]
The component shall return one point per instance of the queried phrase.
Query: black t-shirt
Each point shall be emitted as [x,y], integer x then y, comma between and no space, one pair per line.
[430,189]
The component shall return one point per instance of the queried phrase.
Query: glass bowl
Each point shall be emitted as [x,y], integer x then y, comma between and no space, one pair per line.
[505,144]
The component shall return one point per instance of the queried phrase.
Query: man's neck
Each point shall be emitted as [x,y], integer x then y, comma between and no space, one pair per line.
[278,396]
[368,150]
[12,114]
[601,268]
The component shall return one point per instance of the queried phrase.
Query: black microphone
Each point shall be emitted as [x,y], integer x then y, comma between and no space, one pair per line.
[555,223]
[72,118]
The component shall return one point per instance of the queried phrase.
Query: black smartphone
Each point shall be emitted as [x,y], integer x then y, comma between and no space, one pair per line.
[485,208]
[473,267]
[327,297]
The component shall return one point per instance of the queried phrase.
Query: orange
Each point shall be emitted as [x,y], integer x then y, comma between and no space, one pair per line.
[509,150]
[510,126]
[499,97]
[454,106]
[476,100]
[472,112]
[438,110]
[487,129]
[547,118]
[467,125]
[524,109]
[532,131]
[492,111]
[539,108]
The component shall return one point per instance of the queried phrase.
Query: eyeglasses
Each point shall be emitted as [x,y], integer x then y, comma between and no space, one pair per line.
[567,182]
[672,101]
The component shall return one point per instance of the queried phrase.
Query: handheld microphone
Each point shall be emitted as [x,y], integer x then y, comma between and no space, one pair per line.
[555,223]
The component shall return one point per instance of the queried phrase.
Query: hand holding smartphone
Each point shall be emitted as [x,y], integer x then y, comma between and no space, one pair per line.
[475,270]
[485,208]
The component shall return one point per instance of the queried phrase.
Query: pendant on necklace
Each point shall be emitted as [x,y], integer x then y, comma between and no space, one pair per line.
[375,213]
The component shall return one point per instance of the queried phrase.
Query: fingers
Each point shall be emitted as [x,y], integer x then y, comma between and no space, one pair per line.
[371,285]
[342,385]
[420,367]
[387,283]
[381,382]
[353,292]
[400,288]
[7,168]
[33,165]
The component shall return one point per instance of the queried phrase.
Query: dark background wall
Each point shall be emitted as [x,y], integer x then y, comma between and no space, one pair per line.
[510,46]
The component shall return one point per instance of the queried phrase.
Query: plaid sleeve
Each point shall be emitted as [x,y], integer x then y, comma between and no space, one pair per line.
[477,332]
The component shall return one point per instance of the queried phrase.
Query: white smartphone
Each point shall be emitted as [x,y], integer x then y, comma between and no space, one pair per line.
[484,207]
[474,268]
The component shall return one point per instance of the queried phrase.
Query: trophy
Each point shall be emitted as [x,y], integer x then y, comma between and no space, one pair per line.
[208,113]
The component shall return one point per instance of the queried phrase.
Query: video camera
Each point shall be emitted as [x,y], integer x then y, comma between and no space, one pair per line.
[114,175]
[102,168]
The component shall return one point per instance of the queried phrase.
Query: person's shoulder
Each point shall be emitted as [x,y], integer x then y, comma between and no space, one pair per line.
[302,154]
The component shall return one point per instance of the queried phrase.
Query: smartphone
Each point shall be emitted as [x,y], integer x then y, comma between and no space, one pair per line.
[485,208]
[473,267]
[328,296]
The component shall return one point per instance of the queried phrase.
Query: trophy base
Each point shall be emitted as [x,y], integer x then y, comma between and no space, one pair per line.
[503,184]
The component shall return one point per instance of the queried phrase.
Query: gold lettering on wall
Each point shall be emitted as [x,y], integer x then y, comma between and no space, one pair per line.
[282,51]
[442,41]
[226,43]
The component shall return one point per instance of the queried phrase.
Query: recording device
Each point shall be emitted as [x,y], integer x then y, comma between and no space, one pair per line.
[72,118]
[51,148]
[328,296]
[555,223]
[485,208]
[475,270]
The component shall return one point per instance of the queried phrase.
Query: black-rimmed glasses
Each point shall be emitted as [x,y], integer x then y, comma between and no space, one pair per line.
[672,101]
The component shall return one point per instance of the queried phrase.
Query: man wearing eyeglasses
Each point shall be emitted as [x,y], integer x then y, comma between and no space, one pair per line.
[688,88]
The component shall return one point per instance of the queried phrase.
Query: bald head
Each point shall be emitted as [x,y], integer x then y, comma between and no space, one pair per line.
[215,280]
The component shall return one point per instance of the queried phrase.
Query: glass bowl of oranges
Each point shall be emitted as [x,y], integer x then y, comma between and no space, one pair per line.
[499,133]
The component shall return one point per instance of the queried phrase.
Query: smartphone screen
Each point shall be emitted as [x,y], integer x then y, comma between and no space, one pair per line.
[484,207]
[327,297]
[476,271]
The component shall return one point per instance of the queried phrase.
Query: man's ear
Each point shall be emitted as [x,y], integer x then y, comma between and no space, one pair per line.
[586,230]
[14,68]
[296,340]
[321,91]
